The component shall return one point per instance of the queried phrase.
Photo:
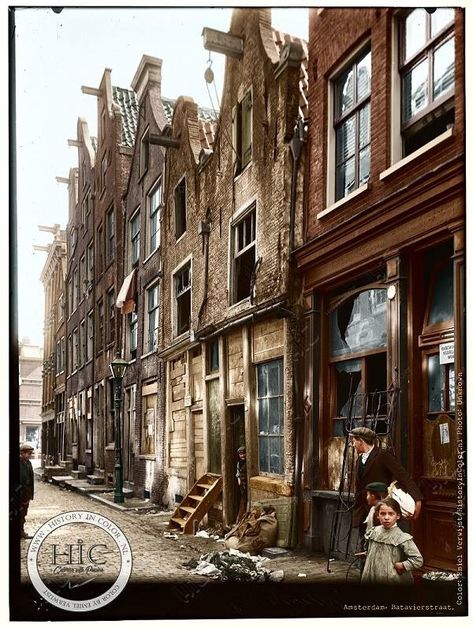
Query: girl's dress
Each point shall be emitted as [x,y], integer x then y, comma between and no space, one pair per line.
[386,547]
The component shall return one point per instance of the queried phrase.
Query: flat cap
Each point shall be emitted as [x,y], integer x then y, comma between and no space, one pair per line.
[377,487]
[365,434]
[241,450]
[26,447]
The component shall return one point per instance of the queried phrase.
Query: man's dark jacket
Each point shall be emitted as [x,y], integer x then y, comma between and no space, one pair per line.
[381,466]
[27,478]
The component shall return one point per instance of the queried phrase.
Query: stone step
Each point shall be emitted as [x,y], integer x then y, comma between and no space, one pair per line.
[95,479]
[78,475]
[60,479]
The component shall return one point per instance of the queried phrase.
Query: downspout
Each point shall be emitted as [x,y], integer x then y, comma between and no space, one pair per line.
[296,144]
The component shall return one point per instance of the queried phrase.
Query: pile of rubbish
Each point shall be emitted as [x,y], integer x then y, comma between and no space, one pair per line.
[233,566]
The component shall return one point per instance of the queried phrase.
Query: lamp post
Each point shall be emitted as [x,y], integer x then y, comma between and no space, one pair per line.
[118,367]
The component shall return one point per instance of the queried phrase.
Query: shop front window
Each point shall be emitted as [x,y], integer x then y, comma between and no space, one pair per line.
[358,335]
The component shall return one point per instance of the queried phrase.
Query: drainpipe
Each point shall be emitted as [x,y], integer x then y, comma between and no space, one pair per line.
[296,145]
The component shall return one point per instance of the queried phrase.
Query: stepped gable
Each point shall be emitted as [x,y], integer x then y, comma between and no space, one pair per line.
[280,40]
[128,103]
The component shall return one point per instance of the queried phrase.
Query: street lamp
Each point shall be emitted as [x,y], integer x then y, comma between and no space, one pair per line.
[118,367]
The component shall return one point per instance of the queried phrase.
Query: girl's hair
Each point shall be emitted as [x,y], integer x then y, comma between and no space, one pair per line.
[392,503]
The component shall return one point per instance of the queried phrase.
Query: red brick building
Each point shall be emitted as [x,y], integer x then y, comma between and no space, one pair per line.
[383,261]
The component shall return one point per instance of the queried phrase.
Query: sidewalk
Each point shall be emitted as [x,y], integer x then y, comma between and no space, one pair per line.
[158,557]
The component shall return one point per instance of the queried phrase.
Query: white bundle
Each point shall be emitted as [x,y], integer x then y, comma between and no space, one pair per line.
[405,501]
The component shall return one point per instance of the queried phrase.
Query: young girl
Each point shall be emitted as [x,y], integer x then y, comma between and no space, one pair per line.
[391,553]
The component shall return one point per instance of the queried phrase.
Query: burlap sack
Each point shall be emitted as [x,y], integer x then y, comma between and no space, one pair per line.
[257,529]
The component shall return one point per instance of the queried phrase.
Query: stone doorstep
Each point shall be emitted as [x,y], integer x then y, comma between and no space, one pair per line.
[78,475]
[95,479]
[122,507]
[60,479]
[274,552]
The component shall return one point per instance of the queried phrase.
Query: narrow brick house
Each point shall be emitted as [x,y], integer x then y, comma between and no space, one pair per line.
[139,298]
[54,347]
[230,327]
[383,261]
[79,364]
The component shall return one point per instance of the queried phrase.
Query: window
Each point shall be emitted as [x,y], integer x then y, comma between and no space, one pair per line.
[111,316]
[69,354]
[103,172]
[75,300]
[270,399]
[152,318]
[100,249]
[70,297]
[427,69]
[73,238]
[75,349]
[352,90]
[61,307]
[110,235]
[83,212]
[148,424]
[90,336]
[88,425]
[144,152]
[180,208]
[60,355]
[82,343]
[357,356]
[90,265]
[82,277]
[133,333]
[100,325]
[244,255]
[154,204]
[213,360]
[135,238]
[182,291]
[242,132]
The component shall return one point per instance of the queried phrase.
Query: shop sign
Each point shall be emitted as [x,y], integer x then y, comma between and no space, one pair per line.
[447,353]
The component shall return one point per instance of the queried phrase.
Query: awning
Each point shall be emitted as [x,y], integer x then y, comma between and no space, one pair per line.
[126,299]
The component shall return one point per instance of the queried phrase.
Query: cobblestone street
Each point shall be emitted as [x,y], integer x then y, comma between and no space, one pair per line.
[157,558]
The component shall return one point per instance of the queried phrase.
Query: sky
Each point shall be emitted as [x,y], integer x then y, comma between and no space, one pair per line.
[58,53]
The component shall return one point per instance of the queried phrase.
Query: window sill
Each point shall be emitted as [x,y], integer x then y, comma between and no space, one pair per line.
[420,151]
[242,172]
[146,457]
[145,355]
[342,201]
[271,484]
[150,256]
[245,301]
[181,236]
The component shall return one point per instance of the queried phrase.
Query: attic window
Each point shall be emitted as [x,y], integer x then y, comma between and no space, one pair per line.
[244,255]
[243,132]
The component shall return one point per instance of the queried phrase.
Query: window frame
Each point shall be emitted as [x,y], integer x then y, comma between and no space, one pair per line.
[144,152]
[111,232]
[158,185]
[149,346]
[110,319]
[282,423]
[135,238]
[425,52]
[339,119]
[236,254]
[177,272]
[240,131]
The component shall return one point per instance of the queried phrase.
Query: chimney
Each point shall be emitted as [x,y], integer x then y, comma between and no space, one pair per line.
[147,75]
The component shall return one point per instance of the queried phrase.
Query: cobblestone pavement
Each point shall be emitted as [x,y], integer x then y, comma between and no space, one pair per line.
[160,559]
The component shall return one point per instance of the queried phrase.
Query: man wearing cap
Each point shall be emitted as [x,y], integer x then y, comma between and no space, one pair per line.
[26,485]
[376,465]
[242,480]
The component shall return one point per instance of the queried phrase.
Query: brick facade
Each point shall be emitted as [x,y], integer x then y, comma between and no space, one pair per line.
[389,238]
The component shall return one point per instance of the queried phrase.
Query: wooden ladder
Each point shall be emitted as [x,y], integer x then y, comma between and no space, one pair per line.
[196,503]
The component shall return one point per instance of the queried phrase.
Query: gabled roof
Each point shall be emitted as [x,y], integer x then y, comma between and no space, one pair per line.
[208,119]
[128,103]
[280,40]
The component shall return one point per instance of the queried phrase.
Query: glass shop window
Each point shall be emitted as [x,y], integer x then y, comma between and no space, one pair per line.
[358,353]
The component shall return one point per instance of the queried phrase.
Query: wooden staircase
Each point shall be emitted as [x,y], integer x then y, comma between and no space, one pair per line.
[196,503]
